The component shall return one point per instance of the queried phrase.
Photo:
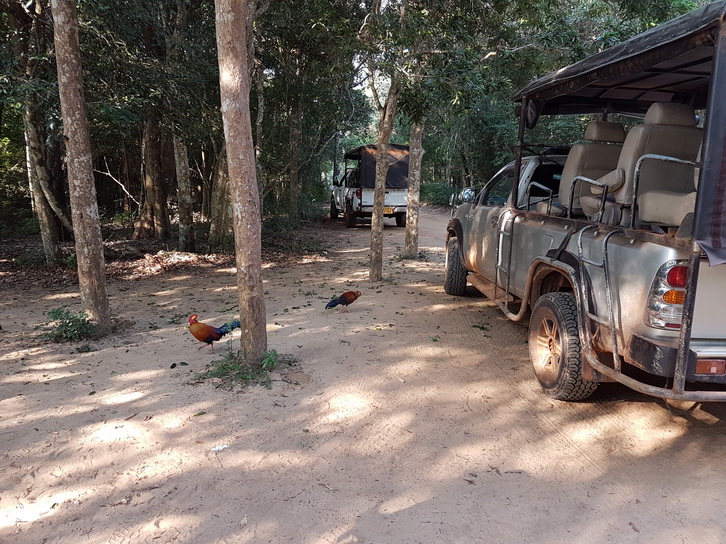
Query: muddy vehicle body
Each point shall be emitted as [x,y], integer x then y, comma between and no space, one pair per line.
[354,193]
[614,252]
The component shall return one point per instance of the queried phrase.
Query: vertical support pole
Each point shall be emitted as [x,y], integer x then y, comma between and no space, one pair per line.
[518,150]
[684,340]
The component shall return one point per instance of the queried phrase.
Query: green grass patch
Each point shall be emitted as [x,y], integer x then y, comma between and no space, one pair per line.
[69,326]
[229,371]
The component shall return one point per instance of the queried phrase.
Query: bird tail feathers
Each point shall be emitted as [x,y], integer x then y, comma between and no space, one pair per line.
[332,304]
[229,327]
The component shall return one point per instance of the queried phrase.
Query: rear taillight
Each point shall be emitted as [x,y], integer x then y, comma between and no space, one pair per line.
[358,194]
[664,308]
[677,276]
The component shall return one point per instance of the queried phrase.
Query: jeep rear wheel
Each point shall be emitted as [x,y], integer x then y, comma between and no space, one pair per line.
[454,272]
[555,349]
[349,216]
[333,210]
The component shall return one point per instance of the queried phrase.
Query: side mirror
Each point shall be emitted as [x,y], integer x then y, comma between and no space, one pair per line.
[467,194]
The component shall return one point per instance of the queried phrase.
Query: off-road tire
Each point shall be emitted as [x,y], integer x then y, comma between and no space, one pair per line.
[555,349]
[349,216]
[400,219]
[454,272]
[333,210]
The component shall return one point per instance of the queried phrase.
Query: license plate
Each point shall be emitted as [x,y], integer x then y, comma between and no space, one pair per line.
[387,211]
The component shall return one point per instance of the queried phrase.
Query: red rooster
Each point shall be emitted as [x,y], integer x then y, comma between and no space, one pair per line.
[349,297]
[208,334]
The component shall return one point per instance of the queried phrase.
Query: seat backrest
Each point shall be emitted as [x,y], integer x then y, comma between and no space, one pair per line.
[670,130]
[592,159]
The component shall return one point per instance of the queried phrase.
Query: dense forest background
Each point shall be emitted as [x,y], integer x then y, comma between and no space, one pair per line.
[152,93]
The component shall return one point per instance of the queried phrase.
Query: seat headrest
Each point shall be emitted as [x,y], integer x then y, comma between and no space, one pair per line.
[665,113]
[604,131]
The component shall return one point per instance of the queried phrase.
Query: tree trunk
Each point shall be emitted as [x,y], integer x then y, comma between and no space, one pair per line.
[84,208]
[184,196]
[36,168]
[220,224]
[153,221]
[294,146]
[24,31]
[385,128]
[410,248]
[232,19]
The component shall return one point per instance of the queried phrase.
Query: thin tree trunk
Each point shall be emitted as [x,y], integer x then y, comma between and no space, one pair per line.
[259,78]
[153,221]
[184,196]
[410,247]
[42,179]
[295,142]
[232,19]
[84,207]
[388,116]
[220,224]
[36,169]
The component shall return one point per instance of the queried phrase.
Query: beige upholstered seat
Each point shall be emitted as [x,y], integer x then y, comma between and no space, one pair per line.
[668,208]
[591,159]
[668,129]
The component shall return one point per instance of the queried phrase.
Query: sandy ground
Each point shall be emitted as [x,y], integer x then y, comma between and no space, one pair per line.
[413,418]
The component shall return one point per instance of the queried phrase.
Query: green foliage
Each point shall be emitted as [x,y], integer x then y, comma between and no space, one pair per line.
[436,193]
[15,214]
[69,326]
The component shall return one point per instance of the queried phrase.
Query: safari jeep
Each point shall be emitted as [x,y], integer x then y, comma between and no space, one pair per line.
[615,250]
[353,194]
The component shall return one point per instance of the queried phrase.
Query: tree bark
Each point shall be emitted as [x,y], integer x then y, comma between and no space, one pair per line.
[232,19]
[84,207]
[153,221]
[36,169]
[220,224]
[24,31]
[184,196]
[410,247]
[295,142]
[385,129]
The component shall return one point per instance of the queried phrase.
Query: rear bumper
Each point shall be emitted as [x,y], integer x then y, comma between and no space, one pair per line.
[367,211]
[659,358]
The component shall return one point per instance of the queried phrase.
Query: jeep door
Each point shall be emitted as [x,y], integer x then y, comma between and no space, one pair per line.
[491,205]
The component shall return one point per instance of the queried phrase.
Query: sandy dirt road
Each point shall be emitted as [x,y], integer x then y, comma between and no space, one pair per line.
[412,418]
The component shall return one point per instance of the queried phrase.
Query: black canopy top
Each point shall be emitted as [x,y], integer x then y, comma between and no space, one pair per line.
[669,63]
[365,155]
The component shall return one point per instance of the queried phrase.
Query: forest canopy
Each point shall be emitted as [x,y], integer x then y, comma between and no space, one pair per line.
[151,81]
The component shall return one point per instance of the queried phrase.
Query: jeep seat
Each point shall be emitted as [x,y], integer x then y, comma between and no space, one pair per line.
[668,208]
[669,129]
[591,159]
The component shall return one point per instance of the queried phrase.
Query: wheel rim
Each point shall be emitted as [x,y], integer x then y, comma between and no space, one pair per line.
[548,350]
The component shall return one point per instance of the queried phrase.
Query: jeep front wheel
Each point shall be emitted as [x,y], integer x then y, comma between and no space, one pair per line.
[400,219]
[555,349]
[454,271]
[333,209]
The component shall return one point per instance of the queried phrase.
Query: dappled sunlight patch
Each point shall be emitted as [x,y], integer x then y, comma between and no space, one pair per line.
[117,431]
[138,375]
[184,277]
[346,406]
[405,500]
[13,512]
[123,398]
[63,296]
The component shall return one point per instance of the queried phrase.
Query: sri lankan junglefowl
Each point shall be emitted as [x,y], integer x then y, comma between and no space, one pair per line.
[208,334]
[349,297]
